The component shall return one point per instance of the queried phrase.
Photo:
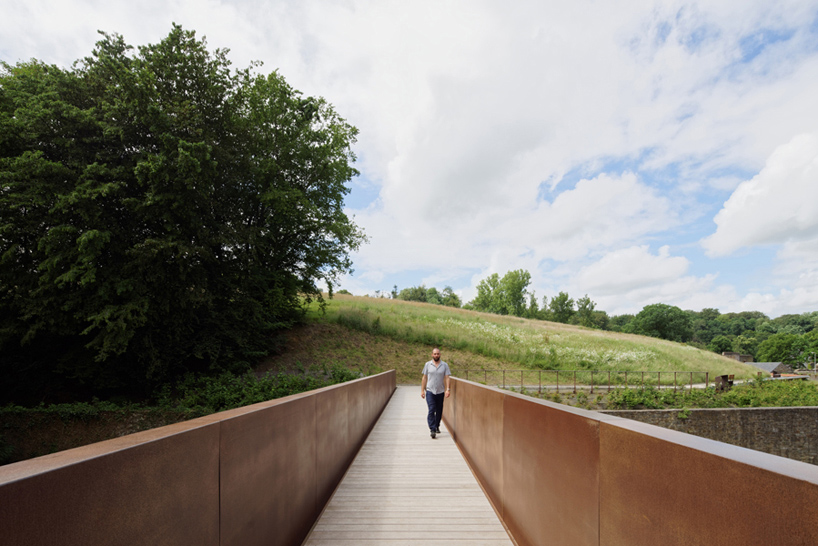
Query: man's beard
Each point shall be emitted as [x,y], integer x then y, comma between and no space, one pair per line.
[436,358]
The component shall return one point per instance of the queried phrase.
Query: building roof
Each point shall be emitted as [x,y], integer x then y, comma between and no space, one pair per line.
[766,366]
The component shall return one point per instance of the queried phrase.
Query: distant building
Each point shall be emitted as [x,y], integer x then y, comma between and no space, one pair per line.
[739,357]
[773,368]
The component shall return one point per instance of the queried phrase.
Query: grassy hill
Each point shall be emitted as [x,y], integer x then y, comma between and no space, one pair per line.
[376,334]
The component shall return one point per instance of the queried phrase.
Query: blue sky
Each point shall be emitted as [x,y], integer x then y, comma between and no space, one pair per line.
[637,152]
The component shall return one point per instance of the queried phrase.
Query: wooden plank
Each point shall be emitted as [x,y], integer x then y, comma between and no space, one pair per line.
[406,488]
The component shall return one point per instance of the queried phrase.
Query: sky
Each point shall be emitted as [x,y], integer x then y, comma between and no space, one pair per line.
[638,152]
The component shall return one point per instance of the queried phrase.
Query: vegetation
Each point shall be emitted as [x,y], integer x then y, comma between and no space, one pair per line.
[785,339]
[506,296]
[160,213]
[522,343]
[662,321]
[752,395]
[428,295]
[791,339]
[202,395]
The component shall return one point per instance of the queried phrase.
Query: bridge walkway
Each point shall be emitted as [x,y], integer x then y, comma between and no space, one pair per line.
[406,488]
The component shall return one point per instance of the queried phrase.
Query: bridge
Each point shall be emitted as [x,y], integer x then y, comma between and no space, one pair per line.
[353,463]
[405,488]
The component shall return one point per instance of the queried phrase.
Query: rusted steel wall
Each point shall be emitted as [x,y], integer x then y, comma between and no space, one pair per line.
[559,475]
[250,476]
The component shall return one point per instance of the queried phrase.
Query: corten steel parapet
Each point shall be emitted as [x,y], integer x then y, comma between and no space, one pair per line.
[254,475]
[562,475]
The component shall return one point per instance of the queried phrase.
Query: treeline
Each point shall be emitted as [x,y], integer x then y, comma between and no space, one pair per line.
[508,295]
[421,294]
[792,339]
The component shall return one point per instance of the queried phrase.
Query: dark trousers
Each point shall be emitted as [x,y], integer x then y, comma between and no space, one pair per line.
[435,403]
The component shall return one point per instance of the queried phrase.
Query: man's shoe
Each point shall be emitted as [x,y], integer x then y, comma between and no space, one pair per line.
[437,430]
[433,433]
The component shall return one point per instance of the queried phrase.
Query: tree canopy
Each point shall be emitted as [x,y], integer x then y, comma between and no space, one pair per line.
[503,296]
[428,295]
[562,308]
[161,211]
[788,348]
[662,321]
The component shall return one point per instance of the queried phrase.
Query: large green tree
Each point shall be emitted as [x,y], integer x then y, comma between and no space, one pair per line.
[720,344]
[449,298]
[793,349]
[513,290]
[585,311]
[414,293]
[561,308]
[663,321]
[160,211]
[486,299]
[503,296]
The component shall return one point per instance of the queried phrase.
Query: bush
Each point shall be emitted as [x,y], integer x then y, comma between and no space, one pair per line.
[755,394]
[203,395]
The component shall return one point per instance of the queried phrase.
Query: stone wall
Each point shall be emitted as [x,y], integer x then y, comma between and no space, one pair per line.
[787,432]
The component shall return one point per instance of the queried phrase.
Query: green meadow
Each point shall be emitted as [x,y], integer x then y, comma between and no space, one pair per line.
[480,341]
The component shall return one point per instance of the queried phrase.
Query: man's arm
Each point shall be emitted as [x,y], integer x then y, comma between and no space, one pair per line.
[423,385]
[447,381]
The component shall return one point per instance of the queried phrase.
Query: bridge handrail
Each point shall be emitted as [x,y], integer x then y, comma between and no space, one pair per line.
[257,475]
[562,475]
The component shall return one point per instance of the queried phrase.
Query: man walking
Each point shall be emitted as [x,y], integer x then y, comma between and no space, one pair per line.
[434,387]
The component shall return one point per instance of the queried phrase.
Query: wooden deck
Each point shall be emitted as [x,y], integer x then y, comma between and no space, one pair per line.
[406,488]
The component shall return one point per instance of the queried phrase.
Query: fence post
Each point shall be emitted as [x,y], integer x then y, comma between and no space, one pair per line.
[575,381]
[706,380]
[609,381]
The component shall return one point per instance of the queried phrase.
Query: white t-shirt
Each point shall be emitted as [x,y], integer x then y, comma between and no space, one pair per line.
[435,376]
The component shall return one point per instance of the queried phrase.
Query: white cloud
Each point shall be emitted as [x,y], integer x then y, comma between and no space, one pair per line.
[778,205]
[597,214]
[625,280]
[630,269]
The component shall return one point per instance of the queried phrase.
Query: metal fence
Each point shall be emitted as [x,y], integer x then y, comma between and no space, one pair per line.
[573,380]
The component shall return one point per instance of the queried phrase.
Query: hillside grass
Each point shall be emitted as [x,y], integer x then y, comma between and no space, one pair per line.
[477,341]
